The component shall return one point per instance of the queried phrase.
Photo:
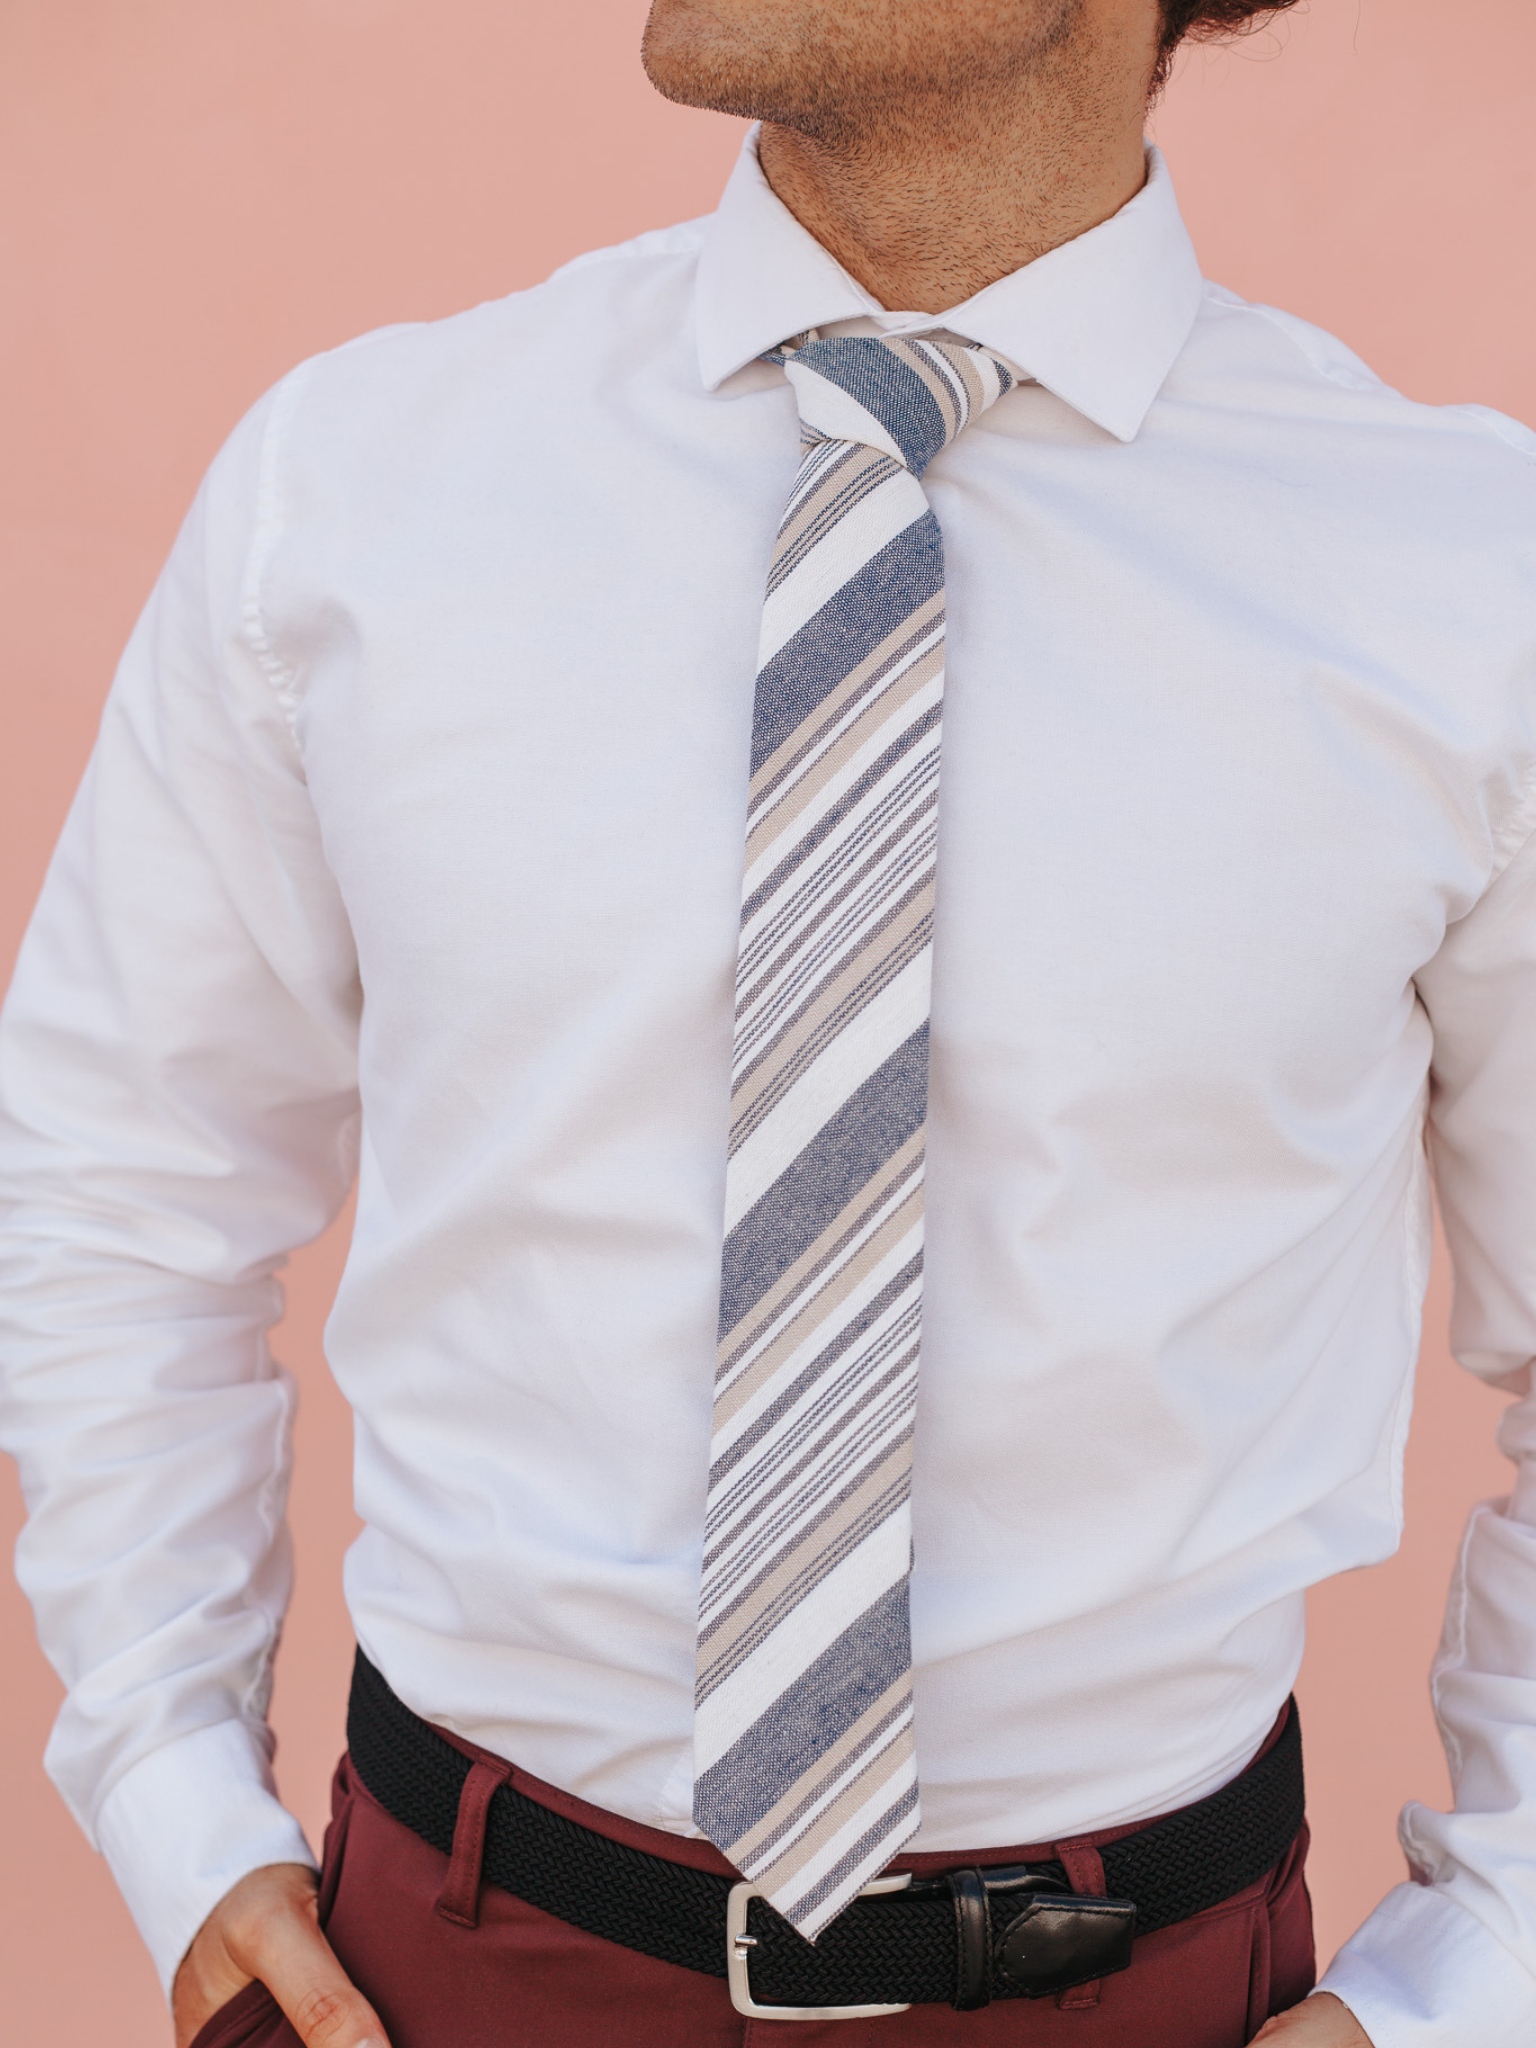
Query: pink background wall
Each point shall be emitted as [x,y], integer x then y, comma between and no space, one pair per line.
[195,196]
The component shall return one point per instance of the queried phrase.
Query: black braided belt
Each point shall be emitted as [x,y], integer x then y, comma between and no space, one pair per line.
[962,1938]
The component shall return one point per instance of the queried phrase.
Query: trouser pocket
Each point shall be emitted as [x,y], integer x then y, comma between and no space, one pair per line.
[1284,1966]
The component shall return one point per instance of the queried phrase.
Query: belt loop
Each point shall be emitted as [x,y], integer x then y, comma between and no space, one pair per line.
[459,1899]
[1085,1873]
[973,1940]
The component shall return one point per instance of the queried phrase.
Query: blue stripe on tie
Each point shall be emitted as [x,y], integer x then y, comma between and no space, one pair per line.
[819,1183]
[887,387]
[905,574]
[814,1712]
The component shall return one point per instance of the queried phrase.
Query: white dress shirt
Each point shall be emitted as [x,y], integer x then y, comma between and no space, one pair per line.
[411,847]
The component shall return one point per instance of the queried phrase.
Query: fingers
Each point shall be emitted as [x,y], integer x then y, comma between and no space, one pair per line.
[268,1928]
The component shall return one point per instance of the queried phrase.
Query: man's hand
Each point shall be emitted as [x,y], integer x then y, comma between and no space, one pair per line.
[1321,2022]
[268,1927]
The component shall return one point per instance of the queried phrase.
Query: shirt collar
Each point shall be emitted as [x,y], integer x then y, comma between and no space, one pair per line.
[1099,321]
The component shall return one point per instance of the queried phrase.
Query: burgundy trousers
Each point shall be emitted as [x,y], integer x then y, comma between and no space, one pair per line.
[451,1963]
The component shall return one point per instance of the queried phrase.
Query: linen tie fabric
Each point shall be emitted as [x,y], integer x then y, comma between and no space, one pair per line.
[805,1763]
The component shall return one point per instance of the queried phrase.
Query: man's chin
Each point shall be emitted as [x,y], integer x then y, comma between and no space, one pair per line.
[703,57]
[681,51]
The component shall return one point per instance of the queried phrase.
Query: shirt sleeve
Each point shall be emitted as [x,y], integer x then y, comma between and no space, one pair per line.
[1450,1958]
[177,1111]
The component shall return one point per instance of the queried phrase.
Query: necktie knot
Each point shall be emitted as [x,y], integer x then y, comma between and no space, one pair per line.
[907,395]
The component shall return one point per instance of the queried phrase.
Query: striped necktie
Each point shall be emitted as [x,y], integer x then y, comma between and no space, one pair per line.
[806,1773]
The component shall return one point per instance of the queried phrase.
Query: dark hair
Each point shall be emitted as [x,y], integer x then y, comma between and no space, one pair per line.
[1204,20]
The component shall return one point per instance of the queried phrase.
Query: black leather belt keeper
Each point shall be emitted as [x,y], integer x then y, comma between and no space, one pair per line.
[963,1938]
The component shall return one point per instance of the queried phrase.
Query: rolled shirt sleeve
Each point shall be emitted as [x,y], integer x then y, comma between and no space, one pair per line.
[177,1111]
[1450,1958]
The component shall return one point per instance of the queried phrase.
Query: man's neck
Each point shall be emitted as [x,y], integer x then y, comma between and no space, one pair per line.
[927,211]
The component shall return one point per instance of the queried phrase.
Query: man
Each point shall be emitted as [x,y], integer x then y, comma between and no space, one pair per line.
[797,1691]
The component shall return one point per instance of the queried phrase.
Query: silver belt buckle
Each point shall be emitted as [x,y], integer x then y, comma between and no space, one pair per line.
[738,1959]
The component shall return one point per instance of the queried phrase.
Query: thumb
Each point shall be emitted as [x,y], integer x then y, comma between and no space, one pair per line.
[299,1968]
[268,1928]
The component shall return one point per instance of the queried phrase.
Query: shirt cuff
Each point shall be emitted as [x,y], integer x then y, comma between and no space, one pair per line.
[1423,1972]
[184,1824]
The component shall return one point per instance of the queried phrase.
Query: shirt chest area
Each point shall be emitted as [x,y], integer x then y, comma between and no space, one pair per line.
[1195,816]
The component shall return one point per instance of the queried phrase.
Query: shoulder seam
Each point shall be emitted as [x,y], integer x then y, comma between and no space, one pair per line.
[1508,432]
[646,244]
[1493,422]
[1369,382]
[267,529]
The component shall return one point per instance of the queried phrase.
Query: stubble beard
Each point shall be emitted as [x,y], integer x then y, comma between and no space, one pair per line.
[846,74]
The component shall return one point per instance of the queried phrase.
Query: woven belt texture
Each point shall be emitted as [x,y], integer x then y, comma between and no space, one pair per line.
[899,1948]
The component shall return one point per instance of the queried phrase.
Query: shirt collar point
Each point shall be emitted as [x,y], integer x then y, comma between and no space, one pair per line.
[1126,427]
